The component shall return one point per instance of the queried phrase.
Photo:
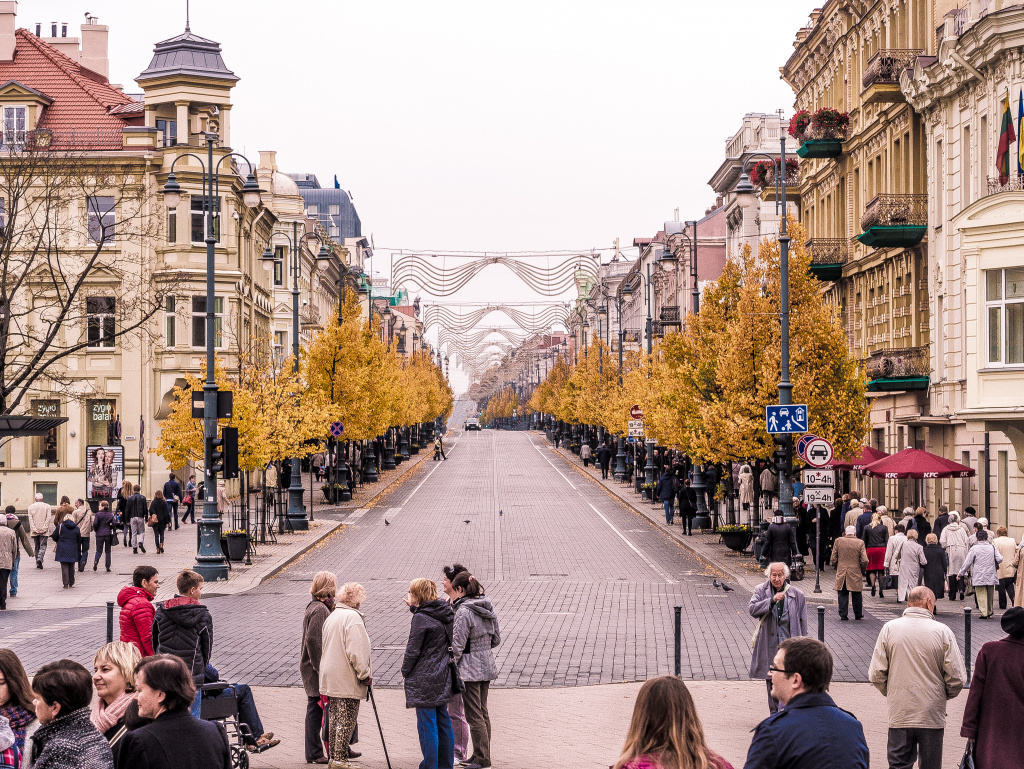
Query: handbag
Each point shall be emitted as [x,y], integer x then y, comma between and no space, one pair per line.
[152,520]
[188,499]
[967,762]
[891,581]
[458,687]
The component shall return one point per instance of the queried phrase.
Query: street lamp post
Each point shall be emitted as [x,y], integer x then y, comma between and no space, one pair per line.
[620,456]
[210,561]
[745,197]
[680,229]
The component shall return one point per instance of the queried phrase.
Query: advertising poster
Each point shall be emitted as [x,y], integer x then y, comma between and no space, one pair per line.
[104,472]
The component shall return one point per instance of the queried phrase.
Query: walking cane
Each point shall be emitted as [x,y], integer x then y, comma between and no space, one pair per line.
[369,691]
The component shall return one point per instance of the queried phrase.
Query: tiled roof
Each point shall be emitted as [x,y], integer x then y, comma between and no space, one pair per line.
[187,54]
[80,116]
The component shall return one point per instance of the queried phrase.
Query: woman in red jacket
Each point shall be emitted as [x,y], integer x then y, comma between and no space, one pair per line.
[137,610]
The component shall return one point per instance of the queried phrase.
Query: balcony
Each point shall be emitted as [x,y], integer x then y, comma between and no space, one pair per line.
[894,220]
[898,369]
[1013,183]
[670,316]
[828,255]
[631,337]
[881,79]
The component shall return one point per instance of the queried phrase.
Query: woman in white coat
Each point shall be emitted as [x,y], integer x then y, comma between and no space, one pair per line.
[954,540]
[911,559]
[746,484]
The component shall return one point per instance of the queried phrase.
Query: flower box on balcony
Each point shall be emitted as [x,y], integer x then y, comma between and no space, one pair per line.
[822,134]
[898,369]
[820,148]
[828,255]
[892,221]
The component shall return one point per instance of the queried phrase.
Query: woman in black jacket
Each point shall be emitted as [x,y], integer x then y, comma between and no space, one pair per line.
[427,669]
[103,527]
[175,740]
[159,518]
[876,538]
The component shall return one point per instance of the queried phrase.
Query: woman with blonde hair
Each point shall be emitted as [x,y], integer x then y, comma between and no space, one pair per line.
[114,678]
[665,731]
[345,670]
[323,591]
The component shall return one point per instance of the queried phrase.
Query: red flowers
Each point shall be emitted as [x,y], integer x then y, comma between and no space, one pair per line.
[826,123]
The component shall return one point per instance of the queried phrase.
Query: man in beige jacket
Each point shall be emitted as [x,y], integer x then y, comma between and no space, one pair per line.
[917,666]
[40,523]
[345,670]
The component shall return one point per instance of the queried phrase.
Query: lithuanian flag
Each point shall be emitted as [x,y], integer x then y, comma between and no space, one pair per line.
[1006,138]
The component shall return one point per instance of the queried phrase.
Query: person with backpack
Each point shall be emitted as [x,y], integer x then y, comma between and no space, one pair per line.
[184,627]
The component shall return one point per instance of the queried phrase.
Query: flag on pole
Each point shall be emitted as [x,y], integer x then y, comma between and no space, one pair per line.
[336,185]
[1006,138]
[1020,129]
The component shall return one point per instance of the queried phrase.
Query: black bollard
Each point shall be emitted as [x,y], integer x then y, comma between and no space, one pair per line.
[821,624]
[110,622]
[679,640]
[967,642]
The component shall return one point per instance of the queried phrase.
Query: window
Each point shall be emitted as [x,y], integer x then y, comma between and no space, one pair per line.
[100,417]
[49,492]
[199,321]
[15,123]
[312,209]
[101,218]
[198,218]
[966,178]
[172,226]
[168,132]
[335,210]
[99,311]
[44,447]
[1004,300]
[280,345]
[335,232]
[170,338]
[278,265]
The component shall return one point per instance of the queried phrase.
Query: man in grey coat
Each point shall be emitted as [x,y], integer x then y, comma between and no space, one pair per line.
[40,521]
[782,611]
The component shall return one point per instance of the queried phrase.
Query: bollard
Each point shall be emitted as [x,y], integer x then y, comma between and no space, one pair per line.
[821,624]
[679,641]
[110,622]
[967,642]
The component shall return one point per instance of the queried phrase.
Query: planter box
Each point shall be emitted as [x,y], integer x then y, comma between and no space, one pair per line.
[737,540]
[236,546]
[820,148]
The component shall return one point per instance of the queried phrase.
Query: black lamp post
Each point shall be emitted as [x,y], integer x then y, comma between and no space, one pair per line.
[745,197]
[679,228]
[620,456]
[210,561]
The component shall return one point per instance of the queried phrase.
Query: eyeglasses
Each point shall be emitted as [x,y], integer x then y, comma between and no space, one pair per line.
[773,669]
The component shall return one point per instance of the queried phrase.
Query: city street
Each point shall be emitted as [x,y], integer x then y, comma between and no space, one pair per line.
[584,585]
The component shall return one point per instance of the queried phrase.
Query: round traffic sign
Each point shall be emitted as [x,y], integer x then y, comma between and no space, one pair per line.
[636,412]
[337,428]
[818,453]
[801,445]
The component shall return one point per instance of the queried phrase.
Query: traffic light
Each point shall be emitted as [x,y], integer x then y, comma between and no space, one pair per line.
[783,453]
[223,453]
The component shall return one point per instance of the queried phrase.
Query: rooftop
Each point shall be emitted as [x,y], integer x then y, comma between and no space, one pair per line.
[187,54]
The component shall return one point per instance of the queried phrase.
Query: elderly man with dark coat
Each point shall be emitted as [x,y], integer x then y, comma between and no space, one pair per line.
[782,613]
[850,559]
[779,541]
[997,690]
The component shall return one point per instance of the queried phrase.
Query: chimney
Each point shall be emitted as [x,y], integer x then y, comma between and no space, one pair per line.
[8,18]
[94,47]
[268,159]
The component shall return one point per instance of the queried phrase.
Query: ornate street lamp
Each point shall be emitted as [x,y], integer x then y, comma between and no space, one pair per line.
[210,561]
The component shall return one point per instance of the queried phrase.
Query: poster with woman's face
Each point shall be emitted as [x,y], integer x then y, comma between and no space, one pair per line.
[104,471]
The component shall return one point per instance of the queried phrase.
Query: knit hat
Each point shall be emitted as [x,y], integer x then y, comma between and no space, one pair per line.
[1013,621]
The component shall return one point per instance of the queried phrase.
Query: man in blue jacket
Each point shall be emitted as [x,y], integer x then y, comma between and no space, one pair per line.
[812,732]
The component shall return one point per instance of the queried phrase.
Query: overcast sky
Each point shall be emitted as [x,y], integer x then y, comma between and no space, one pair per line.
[481,125]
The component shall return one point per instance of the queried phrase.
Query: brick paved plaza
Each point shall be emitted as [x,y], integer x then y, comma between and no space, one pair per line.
[584,584]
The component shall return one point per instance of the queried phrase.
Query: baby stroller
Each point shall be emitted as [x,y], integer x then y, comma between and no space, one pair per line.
[219,703]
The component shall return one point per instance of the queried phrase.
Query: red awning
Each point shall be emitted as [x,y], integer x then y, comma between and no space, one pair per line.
[865,456]
[915,463]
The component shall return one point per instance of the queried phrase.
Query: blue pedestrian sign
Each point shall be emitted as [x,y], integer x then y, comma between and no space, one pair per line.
[791,418]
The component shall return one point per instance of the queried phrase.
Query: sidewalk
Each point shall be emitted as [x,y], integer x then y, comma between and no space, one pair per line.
[577,727]
[42,589]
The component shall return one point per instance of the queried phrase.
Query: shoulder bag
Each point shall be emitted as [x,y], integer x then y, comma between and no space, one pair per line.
[892,576]
[458,687]
[967,762]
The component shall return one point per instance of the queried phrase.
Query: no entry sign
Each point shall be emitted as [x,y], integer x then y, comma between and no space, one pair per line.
[636,412]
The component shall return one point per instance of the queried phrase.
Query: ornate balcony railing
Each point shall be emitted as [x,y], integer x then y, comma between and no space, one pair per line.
[670,314]
[657,328]
[905,368]
[885,66]
[828,250]
[631,336]
[1013,183]
[889,210]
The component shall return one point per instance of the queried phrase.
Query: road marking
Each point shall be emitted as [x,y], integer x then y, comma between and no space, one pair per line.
[357,514]
[633,547]
[552,464]
[495,513]
[27,635]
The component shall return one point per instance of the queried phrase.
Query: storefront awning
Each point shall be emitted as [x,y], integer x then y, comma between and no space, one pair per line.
[22,425]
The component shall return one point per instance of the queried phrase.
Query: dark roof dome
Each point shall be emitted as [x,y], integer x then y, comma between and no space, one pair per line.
[187,54]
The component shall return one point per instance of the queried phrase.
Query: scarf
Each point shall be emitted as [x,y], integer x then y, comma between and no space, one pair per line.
[330,603]
[105,716]
[19,719]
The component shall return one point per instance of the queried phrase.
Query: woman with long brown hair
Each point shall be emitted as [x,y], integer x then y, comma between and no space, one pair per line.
[665,731]
[16,697]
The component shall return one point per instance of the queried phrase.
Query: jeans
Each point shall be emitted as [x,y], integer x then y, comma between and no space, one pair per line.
[4,575]
[40,541]
[904,745]
[475,700]
[1005,587]
[67,573]
[14,574]
[172,506]
[844,603]
[246,708]
[104,542]
[669,511]
[138,527]
[314,723]
[196,708]
[158,534]
[436,738]
[190,510]
[83,553]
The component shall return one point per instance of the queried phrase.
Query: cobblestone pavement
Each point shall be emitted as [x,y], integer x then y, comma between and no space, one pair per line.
[584,584]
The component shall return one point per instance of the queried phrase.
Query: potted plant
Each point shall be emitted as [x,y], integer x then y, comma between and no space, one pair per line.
[736,537]
[647,490]
[822,134]
[237,542]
